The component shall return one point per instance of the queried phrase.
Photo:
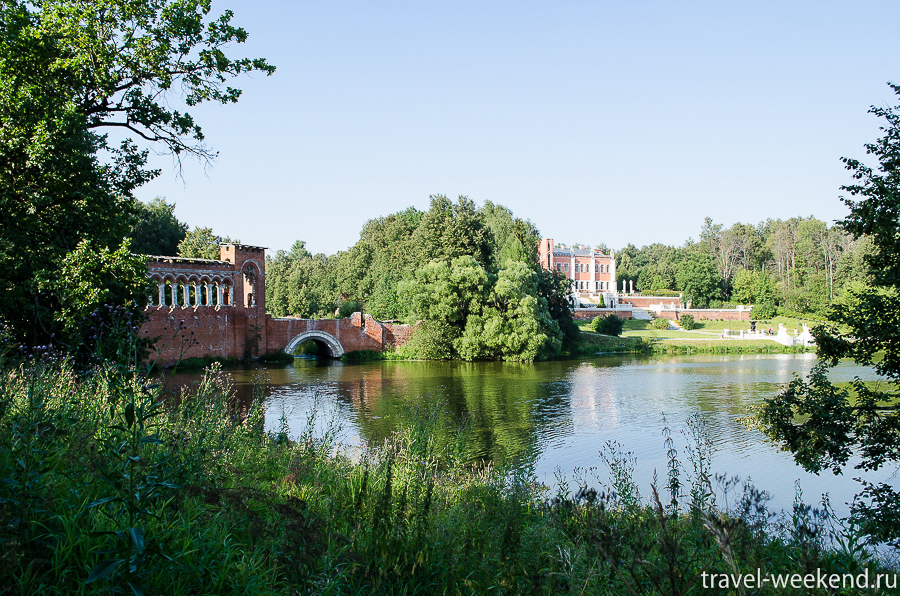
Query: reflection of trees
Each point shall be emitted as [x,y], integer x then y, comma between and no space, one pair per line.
[492,404]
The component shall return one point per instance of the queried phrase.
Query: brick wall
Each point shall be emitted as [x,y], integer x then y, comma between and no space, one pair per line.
[223,314]
[648,301]
[583,314]
[701,314]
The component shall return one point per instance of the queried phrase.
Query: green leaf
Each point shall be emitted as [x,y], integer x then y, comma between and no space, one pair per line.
[136,535]
[102,501]
[129,415]
[103,569]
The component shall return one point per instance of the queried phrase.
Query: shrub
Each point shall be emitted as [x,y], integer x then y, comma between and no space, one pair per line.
[687,322]
[766,310]
[660,323]
[672,293]
[345,309]
[608,325]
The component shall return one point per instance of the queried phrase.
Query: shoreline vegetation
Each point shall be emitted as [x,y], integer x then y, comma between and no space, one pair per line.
[109,485]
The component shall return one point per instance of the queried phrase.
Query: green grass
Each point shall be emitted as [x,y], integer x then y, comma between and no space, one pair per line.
[790,323]
[723,346]
[592,343]
[670,334]
[108,485]
[372,356]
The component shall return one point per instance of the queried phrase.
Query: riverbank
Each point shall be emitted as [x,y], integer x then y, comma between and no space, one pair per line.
[106,486]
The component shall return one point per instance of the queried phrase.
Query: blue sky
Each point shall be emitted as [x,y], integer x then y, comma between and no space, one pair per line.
[610,122]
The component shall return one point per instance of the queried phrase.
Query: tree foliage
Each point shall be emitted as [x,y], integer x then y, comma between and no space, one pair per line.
[102,294]
[608,325]
[800,265]
[156,230]
[467,275]
[820,423]
[201,243]
[68,72]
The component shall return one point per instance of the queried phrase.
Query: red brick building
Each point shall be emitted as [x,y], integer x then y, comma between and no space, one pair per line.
[593,272]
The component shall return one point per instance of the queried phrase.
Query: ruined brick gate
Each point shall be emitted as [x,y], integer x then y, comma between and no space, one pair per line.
[216,308]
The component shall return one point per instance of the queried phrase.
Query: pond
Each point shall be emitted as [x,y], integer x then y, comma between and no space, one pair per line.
[563,412]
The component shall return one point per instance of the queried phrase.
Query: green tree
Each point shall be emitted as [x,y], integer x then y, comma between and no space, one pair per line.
[444,294]
[157,231]
[464,312]
[68,71]
[201,243]
[698,279]
[97,319]
[556,290]
[608,325]
[514,324]
[449,230]
[820,423]
[752,287]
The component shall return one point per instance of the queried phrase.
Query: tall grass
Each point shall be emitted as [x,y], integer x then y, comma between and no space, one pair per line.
[109,485]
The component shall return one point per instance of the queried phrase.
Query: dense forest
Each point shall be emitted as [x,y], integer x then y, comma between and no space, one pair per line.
[799,265]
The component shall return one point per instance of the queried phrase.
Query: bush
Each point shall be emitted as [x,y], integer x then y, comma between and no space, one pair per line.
[766,310]
[687,322]
[660,323]
[345,309]
[608,325]
[671,293]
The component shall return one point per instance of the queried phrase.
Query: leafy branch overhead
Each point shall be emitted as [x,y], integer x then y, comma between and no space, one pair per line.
[124,63]
[824,425]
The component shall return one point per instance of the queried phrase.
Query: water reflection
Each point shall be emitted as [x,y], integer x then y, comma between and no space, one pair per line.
[565,410]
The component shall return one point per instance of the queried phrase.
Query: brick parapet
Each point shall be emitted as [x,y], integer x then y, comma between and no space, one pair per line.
[705,314]
[220,311]
[587,314]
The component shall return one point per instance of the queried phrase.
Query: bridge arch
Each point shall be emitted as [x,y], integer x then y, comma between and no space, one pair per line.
[332,346]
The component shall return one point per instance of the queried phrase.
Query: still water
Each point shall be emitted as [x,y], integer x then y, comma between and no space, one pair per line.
[564,412]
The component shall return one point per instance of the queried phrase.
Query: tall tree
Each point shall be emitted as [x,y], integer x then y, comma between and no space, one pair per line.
[68,71]
[201,243]
[449,230]
[820,423]
[156,231]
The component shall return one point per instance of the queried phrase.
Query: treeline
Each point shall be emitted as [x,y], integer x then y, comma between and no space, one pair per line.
[799,265]
[468,274]
[465,271]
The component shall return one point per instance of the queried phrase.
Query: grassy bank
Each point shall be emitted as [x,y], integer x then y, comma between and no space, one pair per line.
[723,346]
[592,343]
[106,489]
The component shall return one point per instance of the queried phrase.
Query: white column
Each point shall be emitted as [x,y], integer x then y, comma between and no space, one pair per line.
[612,257]
[593,273]
[572,272]
[162,293]
[231,295]
[218,293]
[174,293]
[209,301]
[187,293]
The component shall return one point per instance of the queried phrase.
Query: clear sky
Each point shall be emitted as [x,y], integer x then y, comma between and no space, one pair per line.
[602,121]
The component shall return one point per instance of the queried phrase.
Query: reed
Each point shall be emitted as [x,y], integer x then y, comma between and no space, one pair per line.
[111,484]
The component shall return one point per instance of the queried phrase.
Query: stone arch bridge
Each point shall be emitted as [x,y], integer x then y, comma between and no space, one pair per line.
[216,308]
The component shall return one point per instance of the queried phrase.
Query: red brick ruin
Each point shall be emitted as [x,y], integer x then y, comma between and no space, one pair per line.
[217,308]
